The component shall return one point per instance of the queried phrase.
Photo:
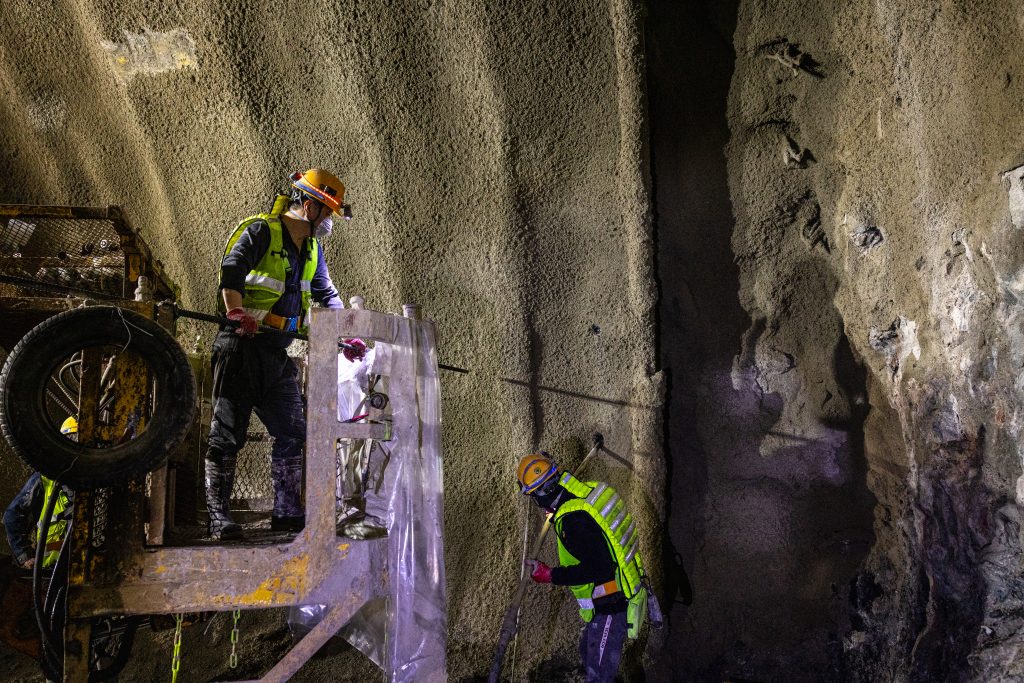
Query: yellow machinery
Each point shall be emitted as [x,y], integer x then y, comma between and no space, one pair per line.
[118,564]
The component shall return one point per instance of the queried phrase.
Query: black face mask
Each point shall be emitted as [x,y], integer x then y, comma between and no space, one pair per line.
[548,497]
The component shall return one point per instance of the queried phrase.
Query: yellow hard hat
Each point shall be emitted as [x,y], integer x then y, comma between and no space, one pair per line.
[323,186]
[535,470]
[70,426]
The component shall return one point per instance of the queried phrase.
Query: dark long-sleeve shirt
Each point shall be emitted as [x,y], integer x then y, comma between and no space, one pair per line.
[585,541]
[247,251]
[21,517]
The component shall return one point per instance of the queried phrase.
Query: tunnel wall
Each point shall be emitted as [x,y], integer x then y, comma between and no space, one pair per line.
[495,158]
[840,335]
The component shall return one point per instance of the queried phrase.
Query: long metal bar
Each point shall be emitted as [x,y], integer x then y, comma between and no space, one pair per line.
[221,320]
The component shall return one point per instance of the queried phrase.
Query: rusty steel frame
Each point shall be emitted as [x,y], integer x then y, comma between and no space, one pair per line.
[316,566]
[138,257]
[126,512]
[132,573]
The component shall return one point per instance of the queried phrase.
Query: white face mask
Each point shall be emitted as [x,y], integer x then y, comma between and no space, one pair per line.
[323,228]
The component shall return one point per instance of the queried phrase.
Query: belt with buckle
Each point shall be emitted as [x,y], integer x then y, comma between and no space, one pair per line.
[280,323]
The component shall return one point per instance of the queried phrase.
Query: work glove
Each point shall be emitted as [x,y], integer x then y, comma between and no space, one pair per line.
[539,572]
[357,352]
[247,324]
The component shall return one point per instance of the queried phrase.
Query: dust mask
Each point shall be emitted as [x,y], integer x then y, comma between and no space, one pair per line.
[323,228]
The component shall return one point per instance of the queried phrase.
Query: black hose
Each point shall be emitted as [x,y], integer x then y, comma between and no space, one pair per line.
[48,649]
[57,579]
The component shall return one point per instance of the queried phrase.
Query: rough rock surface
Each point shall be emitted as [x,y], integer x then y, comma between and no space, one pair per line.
[844,369]
[495,159]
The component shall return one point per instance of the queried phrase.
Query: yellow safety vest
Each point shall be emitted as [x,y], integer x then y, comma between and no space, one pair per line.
[58,525]
[606,508]
[265,283]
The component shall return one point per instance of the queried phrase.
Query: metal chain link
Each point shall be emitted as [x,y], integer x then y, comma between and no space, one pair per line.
[233,659]
[176,657]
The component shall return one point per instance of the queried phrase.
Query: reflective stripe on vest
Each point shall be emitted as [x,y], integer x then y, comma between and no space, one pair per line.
[265,283]
[58,525]
[606,508]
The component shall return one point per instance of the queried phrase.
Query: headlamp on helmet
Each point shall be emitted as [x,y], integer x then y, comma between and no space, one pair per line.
[324,188]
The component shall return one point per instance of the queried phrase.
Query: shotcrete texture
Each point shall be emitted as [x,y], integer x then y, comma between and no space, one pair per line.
[495,155]
[843,341]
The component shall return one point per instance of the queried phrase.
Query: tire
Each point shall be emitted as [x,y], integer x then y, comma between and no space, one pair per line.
[25,421]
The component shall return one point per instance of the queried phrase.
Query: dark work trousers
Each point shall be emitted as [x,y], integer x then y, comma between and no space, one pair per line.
[601,646]
[249,375]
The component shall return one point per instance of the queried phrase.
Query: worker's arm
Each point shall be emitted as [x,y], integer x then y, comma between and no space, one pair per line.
[585,541]
[322,288]
[232,298]
[21,517]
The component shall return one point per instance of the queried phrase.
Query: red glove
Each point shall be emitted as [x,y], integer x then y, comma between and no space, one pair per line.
[358,350]
[247,324]
[539,572]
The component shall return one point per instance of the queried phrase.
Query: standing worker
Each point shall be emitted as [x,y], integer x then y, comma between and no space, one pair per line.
[273,268]
[600,563]
[23,516]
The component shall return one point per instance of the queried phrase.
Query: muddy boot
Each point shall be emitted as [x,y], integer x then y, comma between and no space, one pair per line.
[219,480]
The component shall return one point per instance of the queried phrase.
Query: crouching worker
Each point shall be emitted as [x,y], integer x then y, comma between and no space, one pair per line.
[23,516]
[600,563]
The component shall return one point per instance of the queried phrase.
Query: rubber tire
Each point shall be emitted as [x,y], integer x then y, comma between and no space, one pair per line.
[24,420]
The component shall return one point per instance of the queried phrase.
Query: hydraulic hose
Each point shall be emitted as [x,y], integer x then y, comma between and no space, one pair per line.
[49,651]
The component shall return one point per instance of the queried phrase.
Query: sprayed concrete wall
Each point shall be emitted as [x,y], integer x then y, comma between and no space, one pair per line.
[495,158]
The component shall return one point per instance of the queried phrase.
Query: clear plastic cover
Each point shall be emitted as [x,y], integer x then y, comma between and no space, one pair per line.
[399,483]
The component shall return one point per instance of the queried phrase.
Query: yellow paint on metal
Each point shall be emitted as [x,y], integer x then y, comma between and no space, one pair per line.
[289,582]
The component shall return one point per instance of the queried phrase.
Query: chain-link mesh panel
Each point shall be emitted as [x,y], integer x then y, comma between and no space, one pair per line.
[254,487]
[71,252]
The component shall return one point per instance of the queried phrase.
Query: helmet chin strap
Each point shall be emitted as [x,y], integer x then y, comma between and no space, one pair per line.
[319,230]
[296,214]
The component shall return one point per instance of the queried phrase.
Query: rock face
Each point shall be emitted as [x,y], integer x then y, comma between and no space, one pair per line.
[495,155]
[844,371]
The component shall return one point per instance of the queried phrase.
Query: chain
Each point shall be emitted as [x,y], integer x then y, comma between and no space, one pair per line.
[176,658]
[233,659]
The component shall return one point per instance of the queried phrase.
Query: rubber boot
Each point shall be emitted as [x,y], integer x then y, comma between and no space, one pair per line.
[219,480]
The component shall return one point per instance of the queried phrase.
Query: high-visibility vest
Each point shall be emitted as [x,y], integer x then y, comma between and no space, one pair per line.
[605,507]
[265,283]
[58,523]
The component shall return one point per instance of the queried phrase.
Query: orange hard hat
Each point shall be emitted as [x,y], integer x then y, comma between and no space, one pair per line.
[323,186]
[535,470]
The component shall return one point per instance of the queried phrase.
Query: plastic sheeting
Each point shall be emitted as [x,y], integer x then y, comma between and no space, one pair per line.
[404,630]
